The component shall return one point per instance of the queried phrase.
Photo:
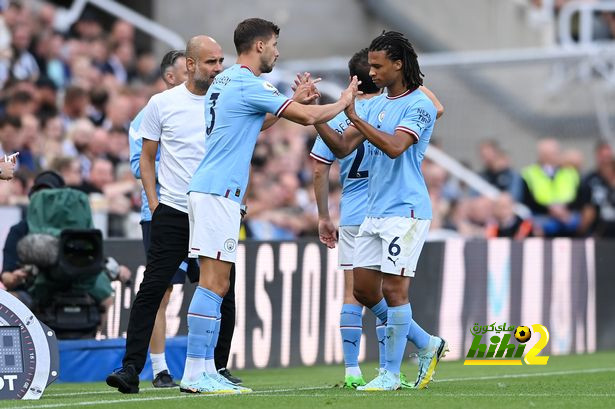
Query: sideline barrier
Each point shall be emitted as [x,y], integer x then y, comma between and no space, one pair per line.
[289,296]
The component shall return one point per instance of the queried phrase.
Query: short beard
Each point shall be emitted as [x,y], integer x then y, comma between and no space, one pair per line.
[265,67]
[201,85]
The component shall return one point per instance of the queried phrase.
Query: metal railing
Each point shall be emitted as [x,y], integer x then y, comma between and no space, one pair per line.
[586,11]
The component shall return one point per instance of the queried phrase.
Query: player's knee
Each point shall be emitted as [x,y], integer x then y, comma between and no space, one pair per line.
[224,288]
[219,287]
[364,296]
[394,294]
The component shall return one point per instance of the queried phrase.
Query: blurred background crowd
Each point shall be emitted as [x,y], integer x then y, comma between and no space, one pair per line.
[604,22]
[67,100]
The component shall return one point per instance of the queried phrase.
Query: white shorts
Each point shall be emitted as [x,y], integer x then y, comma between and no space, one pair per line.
[391,244]
[346,242]
[214,226]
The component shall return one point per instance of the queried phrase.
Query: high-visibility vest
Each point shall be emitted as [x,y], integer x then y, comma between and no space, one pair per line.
[562,188]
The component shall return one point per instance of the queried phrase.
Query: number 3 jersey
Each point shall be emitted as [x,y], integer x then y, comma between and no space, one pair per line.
[235,108]
[353,170]
[396,186]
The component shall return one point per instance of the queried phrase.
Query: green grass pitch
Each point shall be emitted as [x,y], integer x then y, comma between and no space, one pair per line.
[581,381]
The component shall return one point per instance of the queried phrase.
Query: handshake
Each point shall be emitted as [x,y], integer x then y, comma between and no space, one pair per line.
[7,166]
[306,92]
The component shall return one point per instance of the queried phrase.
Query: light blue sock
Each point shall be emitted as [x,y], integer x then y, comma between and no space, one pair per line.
[202,316]
[380,310]
[417,335]
[381,328]
[351,327]
[209,354]
[398,324]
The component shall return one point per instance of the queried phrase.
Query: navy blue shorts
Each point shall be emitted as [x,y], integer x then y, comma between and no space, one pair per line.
[189,267]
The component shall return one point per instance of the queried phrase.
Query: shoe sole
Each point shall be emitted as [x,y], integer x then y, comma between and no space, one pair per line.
[218,392]
[121,386]
[166,386]
[442,350]
[352,385]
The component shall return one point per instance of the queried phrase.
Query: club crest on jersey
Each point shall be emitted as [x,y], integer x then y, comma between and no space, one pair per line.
[270,87]
[230,245]
[381,116]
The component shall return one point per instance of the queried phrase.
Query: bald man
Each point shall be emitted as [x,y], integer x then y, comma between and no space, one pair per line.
[172,121]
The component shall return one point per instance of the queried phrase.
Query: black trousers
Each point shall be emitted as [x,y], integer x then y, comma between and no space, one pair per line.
[168,248]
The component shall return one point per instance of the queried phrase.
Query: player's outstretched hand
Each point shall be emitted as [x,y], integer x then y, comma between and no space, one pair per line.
[305,89]
[300,79]
[327,233]
[350,93]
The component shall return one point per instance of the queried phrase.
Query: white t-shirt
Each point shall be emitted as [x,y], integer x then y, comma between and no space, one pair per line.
[175,118]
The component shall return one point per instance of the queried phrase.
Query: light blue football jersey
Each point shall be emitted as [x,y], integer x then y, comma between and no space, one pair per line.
[354,170]
[136,145]
[396,187]
[235,108]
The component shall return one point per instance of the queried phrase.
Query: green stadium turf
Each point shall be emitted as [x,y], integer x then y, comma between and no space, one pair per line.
[581,381]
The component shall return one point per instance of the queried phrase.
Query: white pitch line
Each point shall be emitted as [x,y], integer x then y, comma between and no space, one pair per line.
[160,390]
[451,394]
[477,378]
[321,395]
[109,402]
[281,392]
[104,391]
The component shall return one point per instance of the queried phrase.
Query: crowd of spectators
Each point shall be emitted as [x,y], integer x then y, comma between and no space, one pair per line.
[67,100]
[66,103]
[562,202]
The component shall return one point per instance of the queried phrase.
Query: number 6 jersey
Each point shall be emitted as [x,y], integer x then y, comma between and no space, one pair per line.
[396,186]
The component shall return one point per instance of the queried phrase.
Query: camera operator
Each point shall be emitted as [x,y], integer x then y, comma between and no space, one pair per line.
[19,279]
[14,276]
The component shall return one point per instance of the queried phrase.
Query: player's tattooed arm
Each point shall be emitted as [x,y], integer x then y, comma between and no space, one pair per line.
[326,228]
[434,99]
[340,144]
[147,164]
